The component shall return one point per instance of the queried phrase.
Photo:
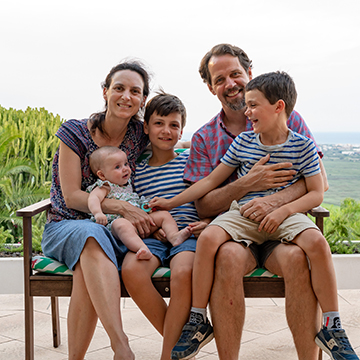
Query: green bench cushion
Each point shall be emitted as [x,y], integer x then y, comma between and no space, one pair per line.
[51,266]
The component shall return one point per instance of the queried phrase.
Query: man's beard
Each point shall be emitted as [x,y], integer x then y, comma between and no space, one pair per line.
[237,104]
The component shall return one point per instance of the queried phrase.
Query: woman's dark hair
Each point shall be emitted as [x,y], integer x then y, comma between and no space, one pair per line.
[97,119]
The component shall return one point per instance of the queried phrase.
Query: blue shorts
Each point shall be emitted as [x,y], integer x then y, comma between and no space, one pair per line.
[165,251]
[65,240]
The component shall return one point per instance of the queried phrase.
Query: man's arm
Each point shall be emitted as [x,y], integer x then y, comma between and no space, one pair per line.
[258,208]
[324,176]
[312,198]
[260,177]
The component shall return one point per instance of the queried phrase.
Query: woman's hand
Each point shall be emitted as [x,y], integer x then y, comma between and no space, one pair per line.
[160,235]
[139,218]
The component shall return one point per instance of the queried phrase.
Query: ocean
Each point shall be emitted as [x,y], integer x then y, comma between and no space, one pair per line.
[352,138]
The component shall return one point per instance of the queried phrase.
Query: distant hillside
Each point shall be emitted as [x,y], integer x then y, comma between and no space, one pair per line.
[342,165]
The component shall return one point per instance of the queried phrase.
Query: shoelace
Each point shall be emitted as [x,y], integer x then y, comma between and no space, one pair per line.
[344,342]
[184,336]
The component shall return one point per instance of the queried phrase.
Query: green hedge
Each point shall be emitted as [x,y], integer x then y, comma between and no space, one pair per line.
[27,147]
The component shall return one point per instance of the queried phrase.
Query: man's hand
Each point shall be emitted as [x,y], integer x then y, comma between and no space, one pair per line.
[264,177]
[258,208]
[272,221]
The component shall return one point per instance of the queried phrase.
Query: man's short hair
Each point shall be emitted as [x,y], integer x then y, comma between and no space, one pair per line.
[165,104]
[219,50]
[276,86]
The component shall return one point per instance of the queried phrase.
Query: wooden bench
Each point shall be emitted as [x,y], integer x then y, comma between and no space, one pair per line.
[40,284]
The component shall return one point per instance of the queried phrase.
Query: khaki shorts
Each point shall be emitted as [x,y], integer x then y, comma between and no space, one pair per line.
[242,229]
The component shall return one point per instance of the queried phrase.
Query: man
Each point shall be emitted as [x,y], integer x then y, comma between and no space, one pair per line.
[226,70]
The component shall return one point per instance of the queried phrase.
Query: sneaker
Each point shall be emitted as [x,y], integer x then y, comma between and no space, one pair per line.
[192,339]
[336,344]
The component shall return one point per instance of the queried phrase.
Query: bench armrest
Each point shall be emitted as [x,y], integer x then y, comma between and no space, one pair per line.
[34,209]
[27,213]
[319,213]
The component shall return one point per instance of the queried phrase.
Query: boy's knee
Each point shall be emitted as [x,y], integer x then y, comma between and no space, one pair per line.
[206,241]
[181,275]
[319,246]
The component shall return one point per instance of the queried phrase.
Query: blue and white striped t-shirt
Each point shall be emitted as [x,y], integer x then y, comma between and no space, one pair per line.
[166,181]
[247,149]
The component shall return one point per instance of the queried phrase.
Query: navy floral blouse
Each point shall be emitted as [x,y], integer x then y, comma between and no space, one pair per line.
[76,135]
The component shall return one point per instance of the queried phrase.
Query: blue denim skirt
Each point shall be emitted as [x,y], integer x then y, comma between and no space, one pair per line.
[65,240]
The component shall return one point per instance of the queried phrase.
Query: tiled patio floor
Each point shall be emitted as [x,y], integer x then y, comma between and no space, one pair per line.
[265,336]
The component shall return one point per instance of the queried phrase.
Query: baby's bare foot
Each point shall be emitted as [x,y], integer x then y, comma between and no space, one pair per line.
[143,254]
[181,236]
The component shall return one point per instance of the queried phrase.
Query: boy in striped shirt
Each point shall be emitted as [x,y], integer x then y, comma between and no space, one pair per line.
[270,99]
[160,173]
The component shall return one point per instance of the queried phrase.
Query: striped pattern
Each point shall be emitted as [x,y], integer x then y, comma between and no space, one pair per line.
[166,181]
[210,142]
[51,266]
[48,265]
[246,150]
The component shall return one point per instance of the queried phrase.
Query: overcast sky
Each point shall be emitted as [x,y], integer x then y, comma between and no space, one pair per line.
[55,54]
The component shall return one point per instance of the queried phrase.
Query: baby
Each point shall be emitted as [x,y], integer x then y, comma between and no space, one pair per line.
[110,165]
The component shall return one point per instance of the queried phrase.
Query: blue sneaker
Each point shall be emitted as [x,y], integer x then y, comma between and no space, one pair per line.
[336,344]
[192,339]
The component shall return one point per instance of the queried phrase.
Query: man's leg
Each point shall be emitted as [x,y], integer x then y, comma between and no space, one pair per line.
[302,311]
[227,303]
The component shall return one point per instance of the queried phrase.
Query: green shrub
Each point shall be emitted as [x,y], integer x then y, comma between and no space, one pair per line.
[343,227]
[27,147]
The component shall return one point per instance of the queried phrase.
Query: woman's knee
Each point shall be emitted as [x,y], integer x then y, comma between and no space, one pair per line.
[92,249]
[136,273]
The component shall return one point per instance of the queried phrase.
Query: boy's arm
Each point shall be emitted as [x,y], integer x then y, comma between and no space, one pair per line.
[312,198]
[265,205]
[260,177]
[195,191]
[94,203]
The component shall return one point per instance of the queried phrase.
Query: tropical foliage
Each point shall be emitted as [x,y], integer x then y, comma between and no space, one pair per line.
[27,146]
[343,227]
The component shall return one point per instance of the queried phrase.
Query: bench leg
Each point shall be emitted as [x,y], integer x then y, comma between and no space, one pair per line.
[29,327]
[55,321]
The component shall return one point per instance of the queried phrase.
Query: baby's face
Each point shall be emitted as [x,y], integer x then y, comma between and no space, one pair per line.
[116,168]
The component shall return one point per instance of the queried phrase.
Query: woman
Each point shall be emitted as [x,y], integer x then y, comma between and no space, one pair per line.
[88,248]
